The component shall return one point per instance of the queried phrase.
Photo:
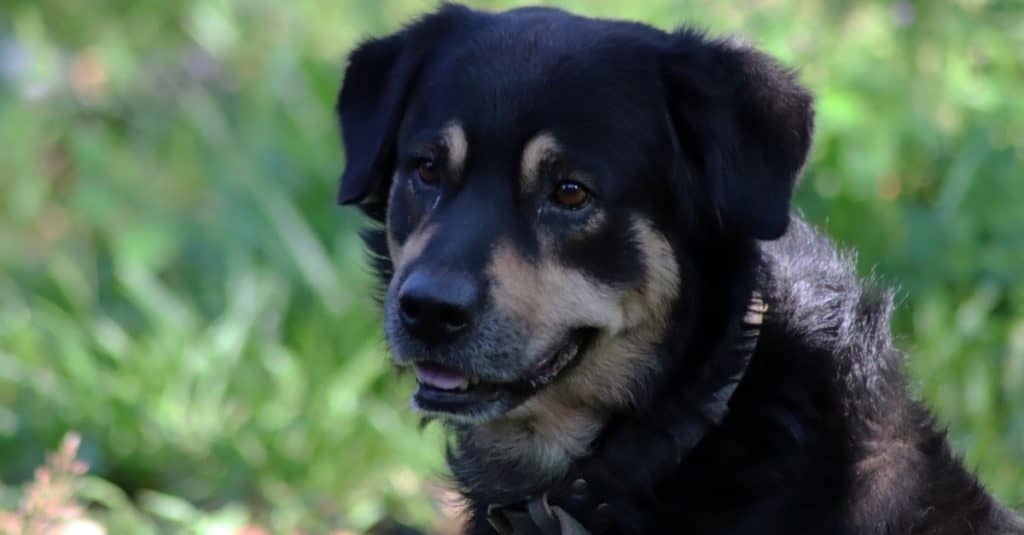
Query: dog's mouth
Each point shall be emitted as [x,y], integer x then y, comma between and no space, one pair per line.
[445,390]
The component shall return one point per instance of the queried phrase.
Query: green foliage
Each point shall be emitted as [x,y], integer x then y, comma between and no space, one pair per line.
[177,284]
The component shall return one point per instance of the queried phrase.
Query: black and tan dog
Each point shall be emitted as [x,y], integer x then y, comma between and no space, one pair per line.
[591,266]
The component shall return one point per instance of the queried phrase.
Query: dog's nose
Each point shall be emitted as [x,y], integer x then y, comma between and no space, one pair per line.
[436,308]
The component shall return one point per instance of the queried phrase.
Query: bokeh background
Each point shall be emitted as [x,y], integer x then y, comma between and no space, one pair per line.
[178,287]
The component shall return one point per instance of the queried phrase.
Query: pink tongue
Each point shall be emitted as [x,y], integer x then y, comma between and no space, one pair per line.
[440,377]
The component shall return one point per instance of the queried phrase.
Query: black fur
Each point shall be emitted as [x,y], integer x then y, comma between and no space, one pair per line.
[706,139]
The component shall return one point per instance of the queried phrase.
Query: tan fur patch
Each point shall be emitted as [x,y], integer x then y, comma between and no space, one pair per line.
[549,297]
[558,423]
[402,254]
[661,285]
[539,148]
[458,148]
[594,224]
[545,440]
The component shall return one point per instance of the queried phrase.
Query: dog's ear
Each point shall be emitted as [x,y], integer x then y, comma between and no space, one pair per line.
[745,123]
[369,109]
[372,101]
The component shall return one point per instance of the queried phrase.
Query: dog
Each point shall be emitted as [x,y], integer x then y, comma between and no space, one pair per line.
[589,260]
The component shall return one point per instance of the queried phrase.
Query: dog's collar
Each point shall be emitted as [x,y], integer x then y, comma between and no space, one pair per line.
[718,380]
[715,385]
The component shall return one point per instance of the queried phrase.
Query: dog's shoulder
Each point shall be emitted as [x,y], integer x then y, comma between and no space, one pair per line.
[903,476]
[821,305]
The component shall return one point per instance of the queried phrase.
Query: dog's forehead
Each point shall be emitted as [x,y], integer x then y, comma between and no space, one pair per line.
[520,72]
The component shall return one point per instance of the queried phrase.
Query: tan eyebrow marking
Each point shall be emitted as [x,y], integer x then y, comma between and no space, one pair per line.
[458,147]
[541,147]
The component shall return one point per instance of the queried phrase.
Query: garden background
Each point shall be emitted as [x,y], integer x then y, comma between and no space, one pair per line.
[178,287]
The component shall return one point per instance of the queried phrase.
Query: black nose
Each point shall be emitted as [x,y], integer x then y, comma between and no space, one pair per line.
[436,308]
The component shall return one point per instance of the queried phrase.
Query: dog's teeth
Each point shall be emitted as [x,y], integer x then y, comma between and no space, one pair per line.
[567,353]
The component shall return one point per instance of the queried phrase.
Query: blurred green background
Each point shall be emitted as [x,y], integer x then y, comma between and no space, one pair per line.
[177,284]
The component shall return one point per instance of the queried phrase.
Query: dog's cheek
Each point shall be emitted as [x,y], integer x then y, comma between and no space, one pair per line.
[613,372]
[617,366]
[397,223]
[549,297]
[652,301]
[605,249]
[515,282]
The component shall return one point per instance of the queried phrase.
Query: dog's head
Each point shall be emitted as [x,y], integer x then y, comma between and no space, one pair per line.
[540,176]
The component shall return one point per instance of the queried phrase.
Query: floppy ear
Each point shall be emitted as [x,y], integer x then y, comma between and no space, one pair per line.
[372,101]
[746,125]
[369,108]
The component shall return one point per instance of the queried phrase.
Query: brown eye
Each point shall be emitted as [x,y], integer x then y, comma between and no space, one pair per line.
[570,194]
[428,172]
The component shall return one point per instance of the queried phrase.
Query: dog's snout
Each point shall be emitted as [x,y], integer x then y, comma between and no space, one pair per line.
[437,307]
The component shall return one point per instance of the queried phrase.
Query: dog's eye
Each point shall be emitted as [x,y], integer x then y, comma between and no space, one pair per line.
[570,194]
[428,172]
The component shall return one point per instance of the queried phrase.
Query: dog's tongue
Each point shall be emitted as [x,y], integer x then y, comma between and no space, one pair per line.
[437,376]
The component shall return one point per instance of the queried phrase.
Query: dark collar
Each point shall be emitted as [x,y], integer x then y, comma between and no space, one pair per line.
[719,378]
